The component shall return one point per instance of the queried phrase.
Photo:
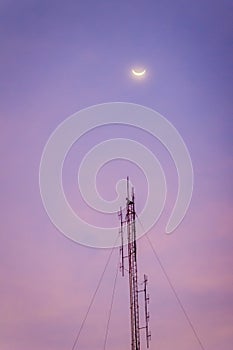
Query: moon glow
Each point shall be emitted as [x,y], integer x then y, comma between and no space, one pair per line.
[138,73]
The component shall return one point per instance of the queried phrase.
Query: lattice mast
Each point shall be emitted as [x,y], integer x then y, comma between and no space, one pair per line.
[130,224]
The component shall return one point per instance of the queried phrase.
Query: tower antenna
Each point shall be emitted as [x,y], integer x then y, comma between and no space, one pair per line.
[129,225]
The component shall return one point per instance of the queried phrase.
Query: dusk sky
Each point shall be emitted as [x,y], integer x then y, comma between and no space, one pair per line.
[59,57]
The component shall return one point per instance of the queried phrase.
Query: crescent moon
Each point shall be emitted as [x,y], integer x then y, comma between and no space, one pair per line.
[138,73]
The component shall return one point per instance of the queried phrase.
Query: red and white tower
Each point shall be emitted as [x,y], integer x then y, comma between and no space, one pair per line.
[128,228]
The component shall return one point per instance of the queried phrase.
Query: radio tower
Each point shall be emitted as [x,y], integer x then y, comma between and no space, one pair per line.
[128,224]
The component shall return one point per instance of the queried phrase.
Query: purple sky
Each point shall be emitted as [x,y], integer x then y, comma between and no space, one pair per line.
[58,57]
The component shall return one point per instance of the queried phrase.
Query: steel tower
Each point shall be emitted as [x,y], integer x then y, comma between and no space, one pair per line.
[128,224]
